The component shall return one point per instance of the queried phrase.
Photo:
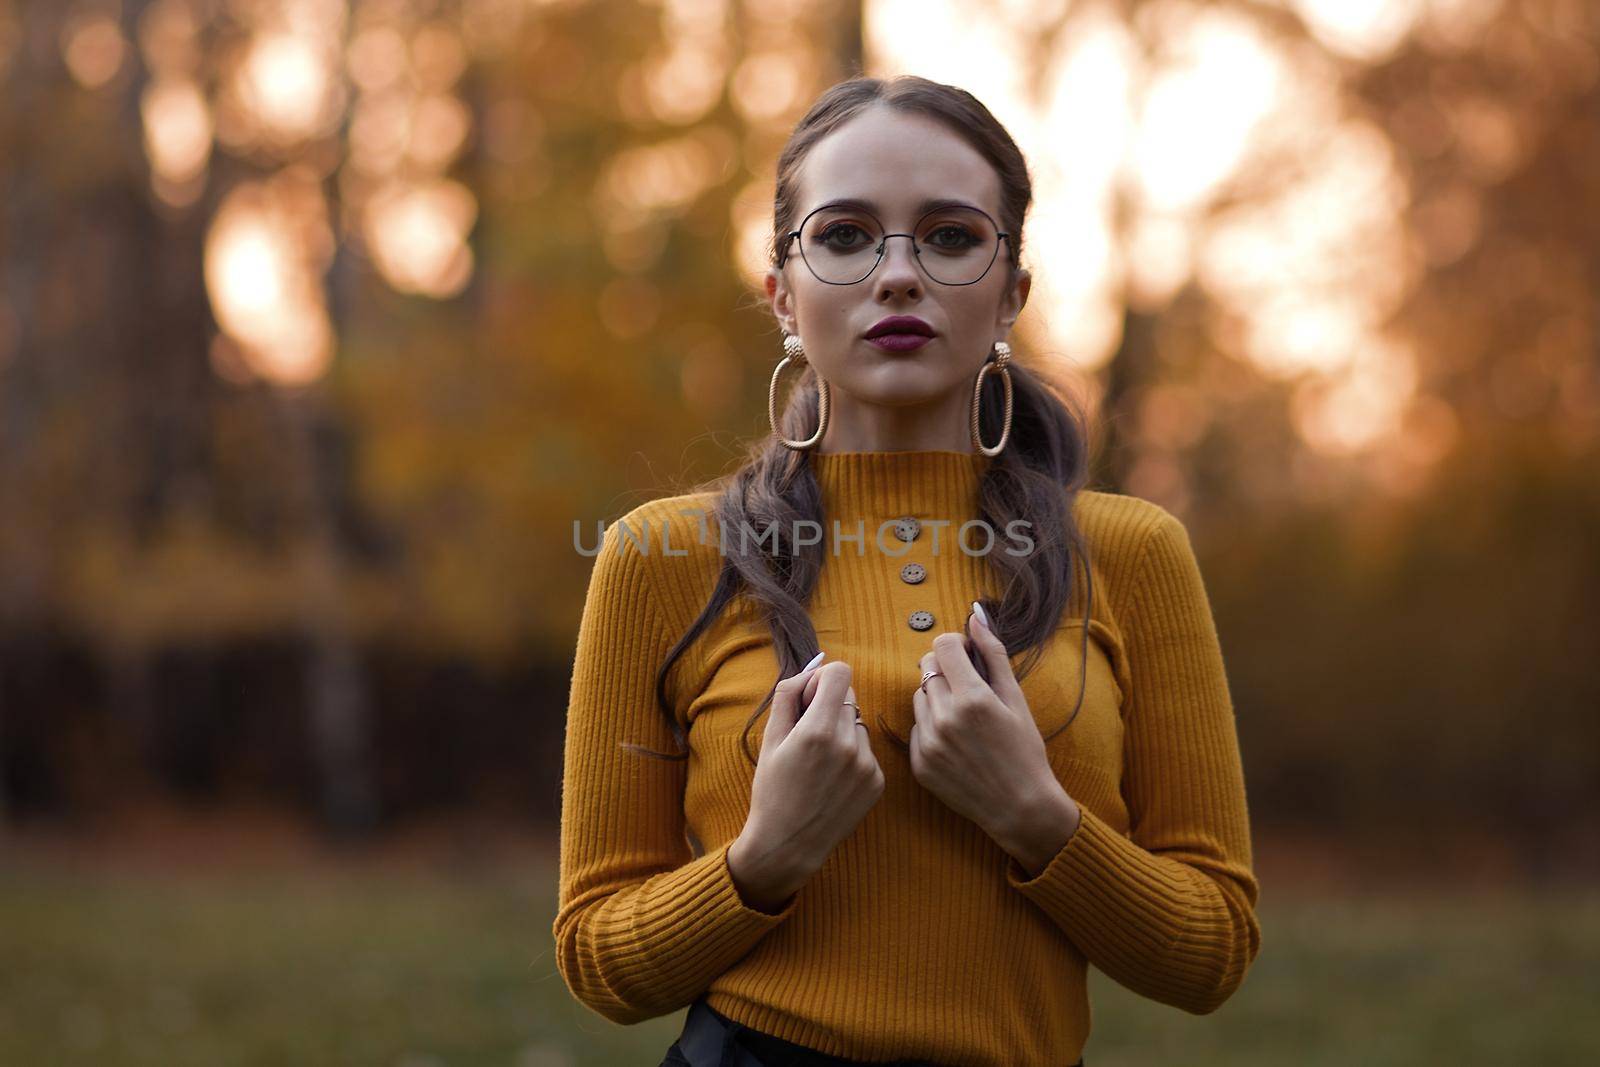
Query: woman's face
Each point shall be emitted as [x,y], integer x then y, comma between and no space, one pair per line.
[895,161]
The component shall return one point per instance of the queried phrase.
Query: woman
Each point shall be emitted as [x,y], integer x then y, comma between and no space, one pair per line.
[919,859]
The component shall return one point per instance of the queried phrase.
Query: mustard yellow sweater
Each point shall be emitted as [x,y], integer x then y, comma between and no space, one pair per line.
[919,937]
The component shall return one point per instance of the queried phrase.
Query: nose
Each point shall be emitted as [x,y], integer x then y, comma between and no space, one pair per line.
[899,269]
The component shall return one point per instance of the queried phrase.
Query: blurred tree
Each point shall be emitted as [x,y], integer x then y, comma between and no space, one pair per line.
[329,320]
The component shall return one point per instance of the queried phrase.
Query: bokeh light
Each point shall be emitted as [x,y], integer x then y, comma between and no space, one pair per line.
[266,252]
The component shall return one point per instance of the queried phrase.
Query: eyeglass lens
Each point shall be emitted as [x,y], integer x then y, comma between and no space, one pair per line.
[955,245]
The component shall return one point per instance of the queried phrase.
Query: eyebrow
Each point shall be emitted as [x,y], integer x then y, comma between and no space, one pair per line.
[932,203]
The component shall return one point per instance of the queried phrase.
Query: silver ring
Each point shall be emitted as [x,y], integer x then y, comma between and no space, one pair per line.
[923,685]
[853,704]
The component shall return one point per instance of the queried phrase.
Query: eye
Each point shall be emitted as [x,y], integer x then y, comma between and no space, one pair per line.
[831,234]
[962,237]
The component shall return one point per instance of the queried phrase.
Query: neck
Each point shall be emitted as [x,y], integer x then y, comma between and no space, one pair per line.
[940,424]
[892,483]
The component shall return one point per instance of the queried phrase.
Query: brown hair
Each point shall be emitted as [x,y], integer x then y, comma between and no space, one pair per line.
[1035,478]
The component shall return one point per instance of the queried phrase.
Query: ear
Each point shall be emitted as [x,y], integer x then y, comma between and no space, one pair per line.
[781,300]
[1016,297]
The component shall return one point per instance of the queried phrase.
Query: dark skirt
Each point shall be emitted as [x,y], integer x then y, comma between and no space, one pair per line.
[711,1039]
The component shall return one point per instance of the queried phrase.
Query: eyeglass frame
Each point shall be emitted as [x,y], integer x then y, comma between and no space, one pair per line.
[883,244]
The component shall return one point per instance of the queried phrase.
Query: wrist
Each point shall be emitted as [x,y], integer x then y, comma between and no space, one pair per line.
[1042,828]
[763,880]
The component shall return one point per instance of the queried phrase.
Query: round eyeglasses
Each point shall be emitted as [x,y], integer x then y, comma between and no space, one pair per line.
[955,245]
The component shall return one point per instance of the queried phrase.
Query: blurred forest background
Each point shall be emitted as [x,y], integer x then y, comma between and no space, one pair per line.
[322,322]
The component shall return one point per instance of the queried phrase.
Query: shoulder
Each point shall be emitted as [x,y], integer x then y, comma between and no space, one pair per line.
[676,514]
[1122,525]
[666,548]
[1123,535]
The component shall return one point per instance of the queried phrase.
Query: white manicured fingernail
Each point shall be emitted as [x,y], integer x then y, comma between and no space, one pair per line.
[977,609]
[814,661]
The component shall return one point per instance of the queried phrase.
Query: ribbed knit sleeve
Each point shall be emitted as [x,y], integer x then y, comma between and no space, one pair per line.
[1169,911]
[642,925]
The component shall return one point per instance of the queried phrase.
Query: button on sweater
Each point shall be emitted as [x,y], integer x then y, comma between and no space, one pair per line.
[919,937]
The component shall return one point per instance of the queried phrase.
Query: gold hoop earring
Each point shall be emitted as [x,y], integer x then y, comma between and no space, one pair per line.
[794,350]
[1002,357]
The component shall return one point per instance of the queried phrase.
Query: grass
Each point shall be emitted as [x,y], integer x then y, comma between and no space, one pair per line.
[417,969]
[1479,978]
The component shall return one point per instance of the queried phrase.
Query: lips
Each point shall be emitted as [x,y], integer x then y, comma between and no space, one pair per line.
[901,324]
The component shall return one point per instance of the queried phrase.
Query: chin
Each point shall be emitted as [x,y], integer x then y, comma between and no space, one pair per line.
[898,383]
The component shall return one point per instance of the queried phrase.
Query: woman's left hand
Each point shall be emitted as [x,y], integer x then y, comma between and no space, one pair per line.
[975,745]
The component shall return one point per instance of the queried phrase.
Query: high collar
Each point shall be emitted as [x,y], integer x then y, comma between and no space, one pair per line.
[925,483]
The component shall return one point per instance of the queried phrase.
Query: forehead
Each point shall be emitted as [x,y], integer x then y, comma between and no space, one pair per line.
[897,166]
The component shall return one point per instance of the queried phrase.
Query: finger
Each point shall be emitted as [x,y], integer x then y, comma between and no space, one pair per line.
[950,650]
[914,739]
[825,710]
[935,693]
[862,738]
[990,647]
[929,706]
[919,707]
[786,703]
[938,682]
[845,726]
[809,693]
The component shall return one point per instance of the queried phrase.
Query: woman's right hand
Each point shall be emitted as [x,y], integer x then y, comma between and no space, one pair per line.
[816,778]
